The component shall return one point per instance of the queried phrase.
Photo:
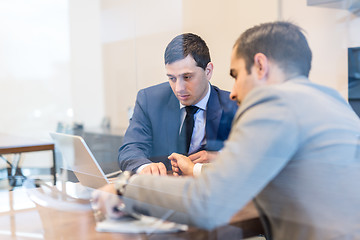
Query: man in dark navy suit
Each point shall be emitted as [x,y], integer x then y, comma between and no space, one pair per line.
[185,115]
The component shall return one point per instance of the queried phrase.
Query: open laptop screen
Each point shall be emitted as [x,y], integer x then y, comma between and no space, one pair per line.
[80,160]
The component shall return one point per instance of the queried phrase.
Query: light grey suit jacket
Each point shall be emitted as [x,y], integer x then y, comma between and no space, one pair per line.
[294,147]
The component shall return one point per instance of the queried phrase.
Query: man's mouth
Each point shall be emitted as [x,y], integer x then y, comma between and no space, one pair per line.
[183,97]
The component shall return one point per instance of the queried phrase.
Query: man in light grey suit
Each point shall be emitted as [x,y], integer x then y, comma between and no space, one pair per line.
[294,147]
[153,133]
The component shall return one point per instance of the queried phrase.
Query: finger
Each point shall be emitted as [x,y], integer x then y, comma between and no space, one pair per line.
[162,169]
[100,207]
[194,156]
[174,164]
[112,204]
[174,156]
[198,161]
[176,174]
[197,155]
[171,157]
[180,158]
[154,169]
[176,169]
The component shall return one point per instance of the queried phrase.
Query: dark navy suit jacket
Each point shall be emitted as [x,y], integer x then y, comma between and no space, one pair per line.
[154,127]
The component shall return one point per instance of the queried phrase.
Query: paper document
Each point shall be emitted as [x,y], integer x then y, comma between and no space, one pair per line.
[144,224]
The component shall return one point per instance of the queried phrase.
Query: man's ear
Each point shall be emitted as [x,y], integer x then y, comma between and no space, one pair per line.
[261,64]
[209,70]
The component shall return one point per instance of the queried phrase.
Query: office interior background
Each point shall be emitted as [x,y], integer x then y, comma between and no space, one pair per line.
[66,61]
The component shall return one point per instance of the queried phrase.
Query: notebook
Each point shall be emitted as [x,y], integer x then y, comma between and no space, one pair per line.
[80,160]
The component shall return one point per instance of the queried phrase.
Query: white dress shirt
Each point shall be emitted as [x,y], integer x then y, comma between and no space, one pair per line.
[198,136]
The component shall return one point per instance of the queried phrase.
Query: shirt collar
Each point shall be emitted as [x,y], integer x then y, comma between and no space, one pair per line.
[203,102]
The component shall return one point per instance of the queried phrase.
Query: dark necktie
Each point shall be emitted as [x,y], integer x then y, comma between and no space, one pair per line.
[187,130]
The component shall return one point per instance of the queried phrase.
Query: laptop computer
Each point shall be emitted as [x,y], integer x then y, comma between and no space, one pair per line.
[80,160]
[85,167]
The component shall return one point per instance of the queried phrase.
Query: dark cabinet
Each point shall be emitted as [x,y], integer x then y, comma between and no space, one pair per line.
[105,144]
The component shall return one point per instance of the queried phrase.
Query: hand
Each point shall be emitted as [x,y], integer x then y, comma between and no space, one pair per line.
[203,156]
[181,165]
[107,201]
[154,169]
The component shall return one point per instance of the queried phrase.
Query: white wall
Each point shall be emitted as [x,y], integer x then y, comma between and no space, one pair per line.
[50,65]
[35,78]
[87,84]
[34,66]
[327,33]
[135,34]
[353,30]
[220,23]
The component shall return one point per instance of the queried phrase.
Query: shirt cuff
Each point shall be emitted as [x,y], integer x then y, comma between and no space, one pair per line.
[197,169]
[142,167]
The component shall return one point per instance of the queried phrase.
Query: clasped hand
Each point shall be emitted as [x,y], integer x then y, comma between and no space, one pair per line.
[182,165]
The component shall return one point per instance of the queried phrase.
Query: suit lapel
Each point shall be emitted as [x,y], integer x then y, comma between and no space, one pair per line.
[173,122]
[213,116]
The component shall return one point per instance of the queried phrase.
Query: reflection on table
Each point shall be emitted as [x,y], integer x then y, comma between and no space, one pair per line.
[48,212]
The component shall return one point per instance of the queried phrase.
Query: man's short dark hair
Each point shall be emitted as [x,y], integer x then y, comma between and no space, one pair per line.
[188,44]
[280,41]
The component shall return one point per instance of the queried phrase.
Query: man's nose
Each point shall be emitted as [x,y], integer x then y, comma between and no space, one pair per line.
[180,85]
[232,95]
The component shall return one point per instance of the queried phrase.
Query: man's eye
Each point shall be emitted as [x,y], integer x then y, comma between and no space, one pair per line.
[172,79]
[187,77]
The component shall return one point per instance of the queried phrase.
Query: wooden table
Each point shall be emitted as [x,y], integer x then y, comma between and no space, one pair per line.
[10,144]
[43,222]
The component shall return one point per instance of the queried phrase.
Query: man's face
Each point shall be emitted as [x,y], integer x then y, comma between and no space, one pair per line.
[244,82]
[188,81]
